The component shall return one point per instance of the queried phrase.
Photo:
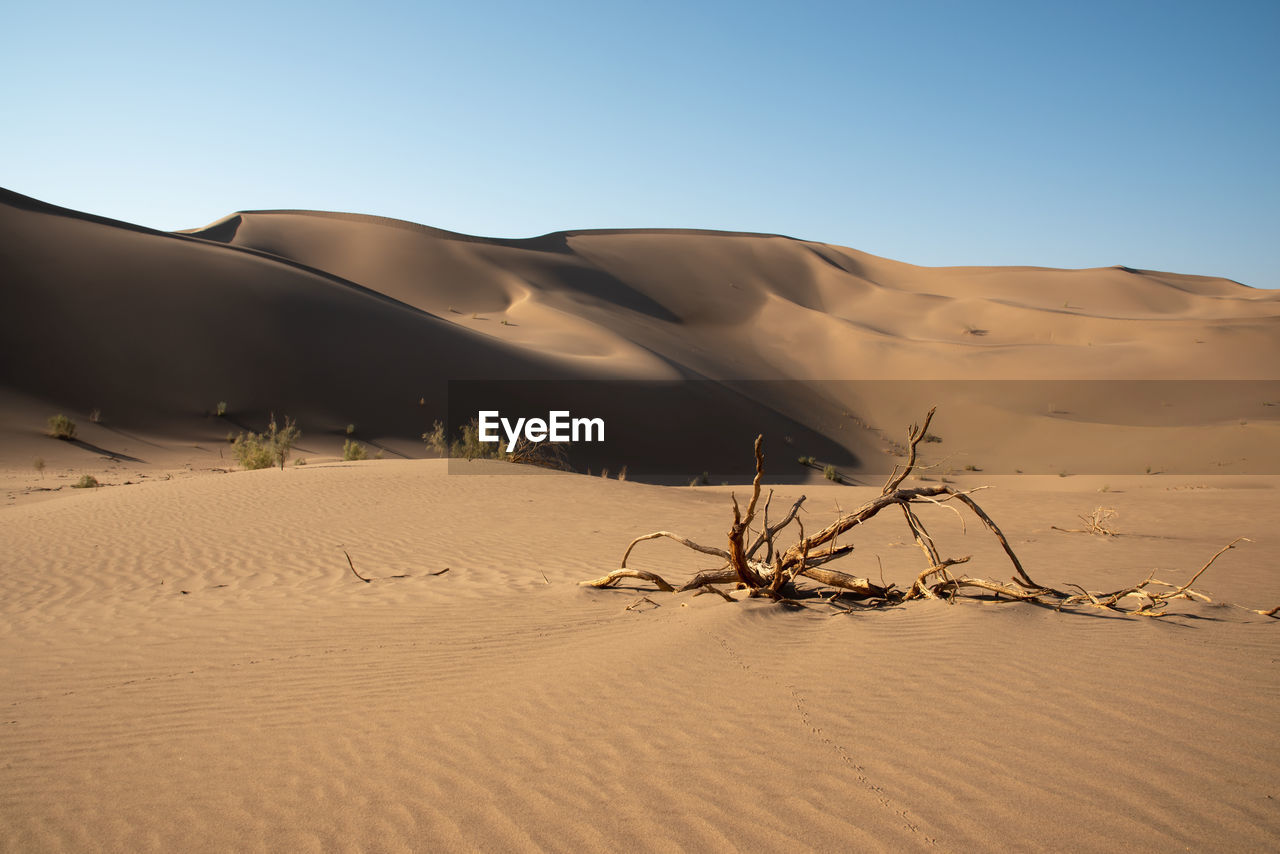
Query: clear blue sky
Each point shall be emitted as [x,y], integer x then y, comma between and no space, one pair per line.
[1061,134]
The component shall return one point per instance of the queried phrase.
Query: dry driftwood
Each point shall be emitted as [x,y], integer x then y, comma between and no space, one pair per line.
[774,576]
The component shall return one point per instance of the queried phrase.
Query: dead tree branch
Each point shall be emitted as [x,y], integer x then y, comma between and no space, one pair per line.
[776,575]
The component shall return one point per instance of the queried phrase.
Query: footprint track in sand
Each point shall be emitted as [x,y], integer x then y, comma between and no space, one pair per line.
[801,707]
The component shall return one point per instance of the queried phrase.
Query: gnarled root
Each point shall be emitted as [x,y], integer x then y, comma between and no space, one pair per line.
[775,574]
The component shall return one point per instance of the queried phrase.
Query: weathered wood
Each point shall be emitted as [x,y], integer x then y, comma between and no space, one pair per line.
[775,575]
[706,550]
[619,574]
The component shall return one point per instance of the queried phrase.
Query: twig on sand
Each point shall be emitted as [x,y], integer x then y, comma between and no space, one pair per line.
[353,569]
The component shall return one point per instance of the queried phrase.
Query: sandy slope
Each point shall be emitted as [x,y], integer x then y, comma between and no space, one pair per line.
[191,666]
[338,319]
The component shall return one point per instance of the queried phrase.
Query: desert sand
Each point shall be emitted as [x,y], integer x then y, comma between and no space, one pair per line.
[190,664]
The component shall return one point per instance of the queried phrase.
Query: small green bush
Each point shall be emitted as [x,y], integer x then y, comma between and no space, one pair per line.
[436,441]
[832,475]
[701,480]
[351,428]
[352,450]
[807,461]
[87,481]
[222,408]
[254,451]
[95,417]
[61,427]
[38,465]
[469,447]
[929,437]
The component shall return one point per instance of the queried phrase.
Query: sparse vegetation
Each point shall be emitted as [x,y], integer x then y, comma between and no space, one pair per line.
[436,440]
[86,481]
[972,467]
[832,475]
[62,427]
[351,428]
[222,408]
[252,451]
[807,461]
[260,451]
[701,480]
[469,447]
[1098,522]
[622,474]
[930,438]
[352,450]
[38,465]
[95,416]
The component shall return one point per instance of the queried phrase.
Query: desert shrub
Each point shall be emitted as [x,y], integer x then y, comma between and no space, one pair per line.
[260,451]
[86,481]
[807,461]
[38,465]
[61,427]
[351,428]
[832,475]
[436,441]
[929,437]
[469,447]
[222,408]
[95,417]
[972,467]
[352,450]
[252,451]
[701,480]
[622,475]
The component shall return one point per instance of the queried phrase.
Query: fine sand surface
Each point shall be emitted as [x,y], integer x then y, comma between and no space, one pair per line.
[189,664]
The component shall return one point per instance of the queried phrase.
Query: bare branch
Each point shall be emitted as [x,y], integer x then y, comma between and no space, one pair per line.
[618,574]
[707,550]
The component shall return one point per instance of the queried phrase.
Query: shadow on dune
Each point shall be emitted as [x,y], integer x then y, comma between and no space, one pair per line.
[113,455]
[132,437]
[385,449]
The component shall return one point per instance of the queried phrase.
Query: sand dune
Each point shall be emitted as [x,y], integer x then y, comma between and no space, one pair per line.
[339,319]
[191,665]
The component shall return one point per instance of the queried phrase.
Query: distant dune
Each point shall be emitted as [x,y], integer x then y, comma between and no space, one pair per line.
[341,318]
